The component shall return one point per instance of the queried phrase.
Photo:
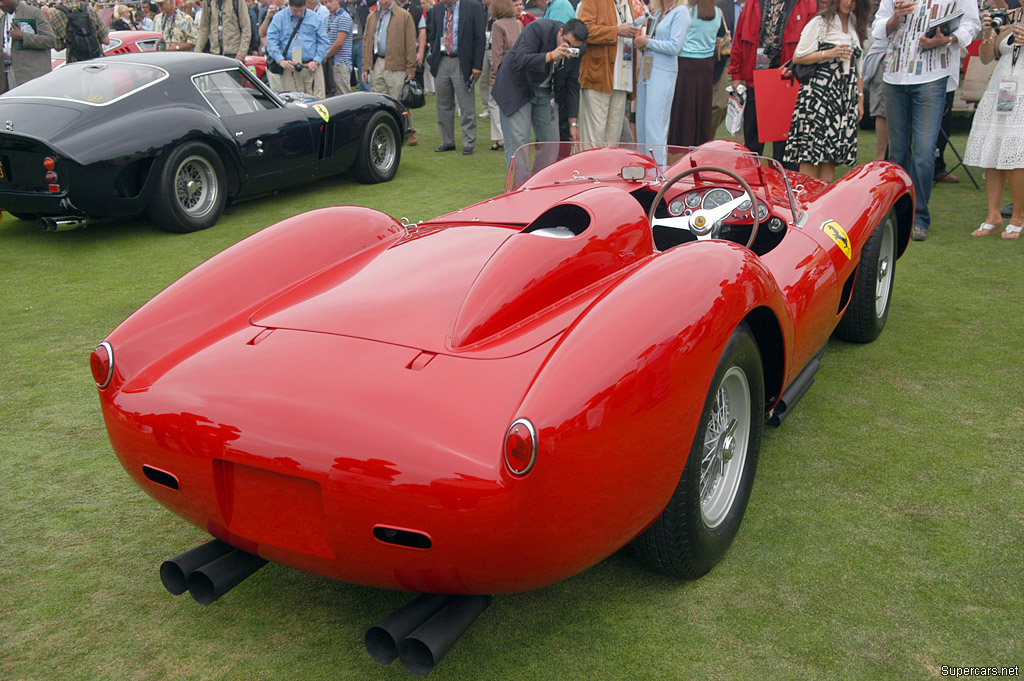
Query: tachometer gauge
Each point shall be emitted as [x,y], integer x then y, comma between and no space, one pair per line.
[716,197]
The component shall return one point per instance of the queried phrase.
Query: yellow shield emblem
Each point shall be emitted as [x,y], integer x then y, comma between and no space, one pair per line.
[322,110]
[837,234]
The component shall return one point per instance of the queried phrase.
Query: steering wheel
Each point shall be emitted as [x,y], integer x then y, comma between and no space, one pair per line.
[706,224]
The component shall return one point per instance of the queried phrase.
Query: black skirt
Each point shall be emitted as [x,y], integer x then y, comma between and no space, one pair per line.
[690,123]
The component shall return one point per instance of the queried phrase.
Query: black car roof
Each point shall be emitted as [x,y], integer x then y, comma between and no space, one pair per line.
[176,63]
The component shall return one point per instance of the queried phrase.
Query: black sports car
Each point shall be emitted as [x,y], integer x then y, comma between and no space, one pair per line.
[175,136]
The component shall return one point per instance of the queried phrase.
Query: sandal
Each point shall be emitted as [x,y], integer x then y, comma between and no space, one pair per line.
[497,147]
[1012,232]
[985,229]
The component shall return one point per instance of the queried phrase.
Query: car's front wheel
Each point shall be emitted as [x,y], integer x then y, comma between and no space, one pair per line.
[190,195]
[380,150]
[868,308]
[703,516]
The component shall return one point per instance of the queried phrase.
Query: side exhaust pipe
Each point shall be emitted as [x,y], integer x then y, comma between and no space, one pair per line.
[213,580]
[421,633]
[61,224]
[421,651]
[174,572]
[208,571]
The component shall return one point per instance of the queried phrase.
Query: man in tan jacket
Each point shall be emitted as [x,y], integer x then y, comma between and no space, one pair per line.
[606,69]
[389,51]
[225,25]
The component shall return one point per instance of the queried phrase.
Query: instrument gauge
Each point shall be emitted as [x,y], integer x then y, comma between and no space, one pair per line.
[693,200]
[676,207]
[715,198]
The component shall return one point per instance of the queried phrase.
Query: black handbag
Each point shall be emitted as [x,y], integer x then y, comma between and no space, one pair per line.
[805,72]
[412,96]
[272,64]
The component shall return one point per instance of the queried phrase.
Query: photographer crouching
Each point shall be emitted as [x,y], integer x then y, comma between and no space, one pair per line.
[297,40]
[543,62]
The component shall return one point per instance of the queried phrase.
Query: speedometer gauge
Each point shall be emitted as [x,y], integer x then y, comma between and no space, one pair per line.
[715,198]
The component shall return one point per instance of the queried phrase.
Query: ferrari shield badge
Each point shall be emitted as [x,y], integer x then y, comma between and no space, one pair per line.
[322,110]
[837,234]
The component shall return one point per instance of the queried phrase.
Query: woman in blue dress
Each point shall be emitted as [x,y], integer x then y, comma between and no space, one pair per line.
[659,63]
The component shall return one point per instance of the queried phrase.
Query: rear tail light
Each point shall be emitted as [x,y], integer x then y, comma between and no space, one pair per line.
[102,364]
[48,163]
[51,177]
[520,447]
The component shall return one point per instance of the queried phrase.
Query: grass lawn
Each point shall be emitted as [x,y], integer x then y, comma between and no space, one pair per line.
[884,538]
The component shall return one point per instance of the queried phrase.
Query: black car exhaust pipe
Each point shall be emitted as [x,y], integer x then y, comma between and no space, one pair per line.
[174,572]
[423,649]
[61,224]
[382,639]
[214,579]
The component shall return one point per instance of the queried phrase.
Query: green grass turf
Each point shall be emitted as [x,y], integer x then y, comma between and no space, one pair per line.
[883,539]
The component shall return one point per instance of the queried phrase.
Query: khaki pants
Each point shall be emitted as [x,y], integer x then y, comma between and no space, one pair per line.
[601,115]
[387,82]
[304,81]
[342,82]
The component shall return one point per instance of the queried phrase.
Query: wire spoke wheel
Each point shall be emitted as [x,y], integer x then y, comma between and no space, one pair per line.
[383,148]
[725,448]
[195,186]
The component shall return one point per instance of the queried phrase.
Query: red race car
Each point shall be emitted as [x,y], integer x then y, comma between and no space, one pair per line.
[124,42]
[499,398]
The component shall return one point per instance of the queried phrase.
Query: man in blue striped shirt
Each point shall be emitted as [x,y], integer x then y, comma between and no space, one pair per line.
[339,56]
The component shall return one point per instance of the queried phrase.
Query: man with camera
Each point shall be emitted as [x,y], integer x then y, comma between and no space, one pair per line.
[297,40]
[543,62]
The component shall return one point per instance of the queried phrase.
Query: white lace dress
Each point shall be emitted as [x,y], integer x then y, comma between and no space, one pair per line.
[997,137]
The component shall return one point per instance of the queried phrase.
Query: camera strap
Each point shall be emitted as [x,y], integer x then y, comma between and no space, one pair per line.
[294,31]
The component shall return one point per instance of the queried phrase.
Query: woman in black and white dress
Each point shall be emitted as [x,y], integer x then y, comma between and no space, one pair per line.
[824,129]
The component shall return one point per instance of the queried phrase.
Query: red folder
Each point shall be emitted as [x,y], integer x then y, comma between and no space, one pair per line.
[775,98]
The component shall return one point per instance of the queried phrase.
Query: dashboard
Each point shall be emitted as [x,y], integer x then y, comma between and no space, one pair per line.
[712,197]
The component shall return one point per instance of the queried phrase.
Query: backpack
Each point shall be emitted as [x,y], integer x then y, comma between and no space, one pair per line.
[80,38]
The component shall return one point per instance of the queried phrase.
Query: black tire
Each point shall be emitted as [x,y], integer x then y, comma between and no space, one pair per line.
[693,532]
[380,150]
[869,303]
[190,193]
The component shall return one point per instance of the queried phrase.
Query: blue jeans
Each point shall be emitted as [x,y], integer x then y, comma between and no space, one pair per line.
[540,113]
[914,113]
[357,59]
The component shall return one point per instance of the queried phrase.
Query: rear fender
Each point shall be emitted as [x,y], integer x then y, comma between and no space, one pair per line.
[218,297]
[617,403]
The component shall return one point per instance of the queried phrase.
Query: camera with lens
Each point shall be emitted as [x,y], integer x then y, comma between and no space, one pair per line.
[1001,16]
[299,66]
[572,52]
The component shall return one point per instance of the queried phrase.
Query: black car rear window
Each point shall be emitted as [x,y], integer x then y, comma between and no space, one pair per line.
[95,83]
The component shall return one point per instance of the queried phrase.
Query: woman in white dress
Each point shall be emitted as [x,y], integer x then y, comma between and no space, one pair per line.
[996,142]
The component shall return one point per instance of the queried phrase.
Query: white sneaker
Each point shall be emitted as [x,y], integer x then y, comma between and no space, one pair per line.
[485,114]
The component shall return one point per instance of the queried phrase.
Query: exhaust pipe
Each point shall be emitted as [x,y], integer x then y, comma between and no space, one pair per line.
[382,639]
[61,224]
[423,649]
[424,630]
[174,572]
[211,581]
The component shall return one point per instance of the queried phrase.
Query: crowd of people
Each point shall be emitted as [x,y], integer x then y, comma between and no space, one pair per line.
[600,72]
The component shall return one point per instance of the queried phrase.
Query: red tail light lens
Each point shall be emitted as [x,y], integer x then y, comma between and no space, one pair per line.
[520,447]
[102,364]
[48,163]
[51,177]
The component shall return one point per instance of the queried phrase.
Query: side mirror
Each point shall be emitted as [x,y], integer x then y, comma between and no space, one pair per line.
[633,172]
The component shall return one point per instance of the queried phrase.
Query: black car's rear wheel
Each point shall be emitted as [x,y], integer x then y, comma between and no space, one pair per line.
[703,516]
[868,308]
[190,195]
[380,150]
